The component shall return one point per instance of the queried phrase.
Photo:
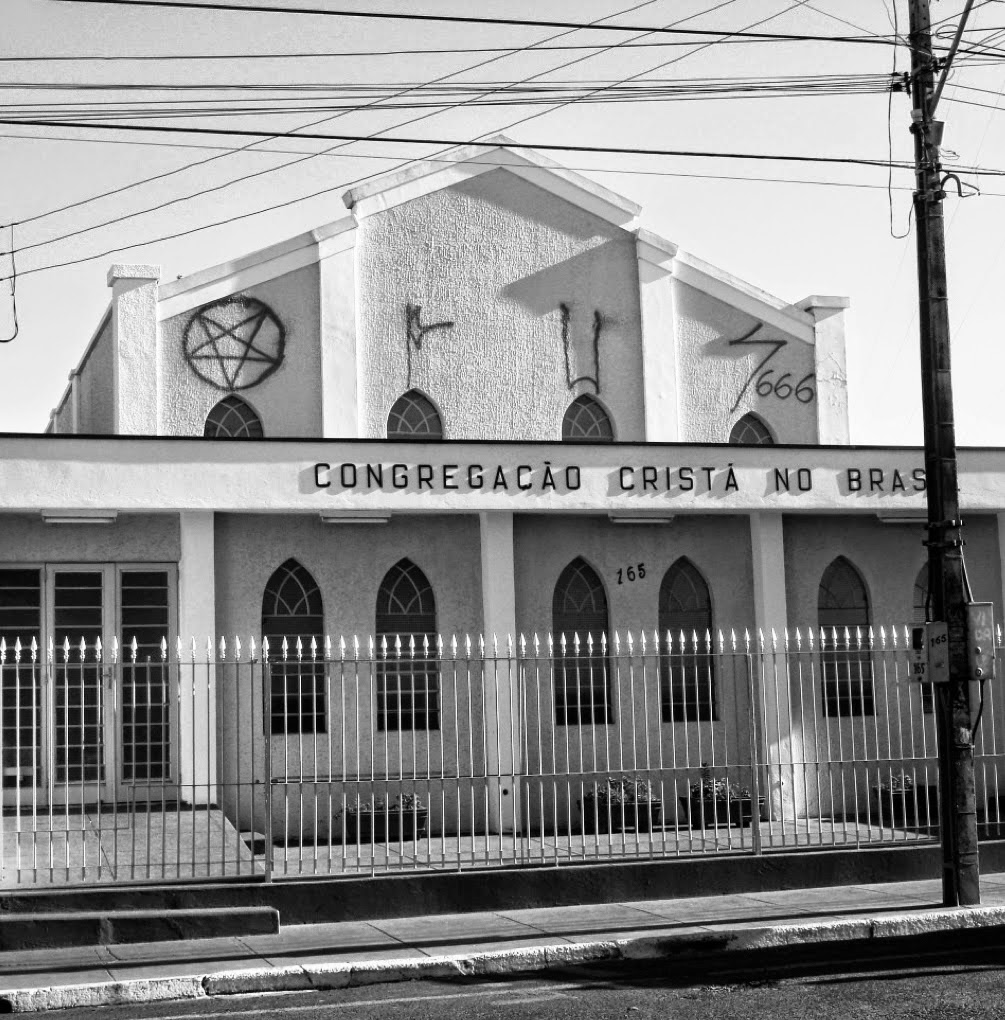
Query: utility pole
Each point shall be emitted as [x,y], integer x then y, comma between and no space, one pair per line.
[946,583]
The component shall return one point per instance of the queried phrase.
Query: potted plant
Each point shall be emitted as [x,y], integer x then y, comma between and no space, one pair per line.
[718,801]
[403,819]
[621,804]
[898,801]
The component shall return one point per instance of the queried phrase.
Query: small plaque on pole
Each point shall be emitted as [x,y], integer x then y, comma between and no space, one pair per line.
[930,653]
[981,639]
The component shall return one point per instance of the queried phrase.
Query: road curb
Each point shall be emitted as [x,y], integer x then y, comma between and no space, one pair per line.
[496,962]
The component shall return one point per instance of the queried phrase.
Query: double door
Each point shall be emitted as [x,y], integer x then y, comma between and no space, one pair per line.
[78,725]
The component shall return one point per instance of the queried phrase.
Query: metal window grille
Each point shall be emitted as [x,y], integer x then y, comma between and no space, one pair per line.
[233,418]
[687,669]
[414,417]
[145,692]
[20,690]
[408,666]
[845,644]
[586,421]
[293,624]
[580,624]
[750,430]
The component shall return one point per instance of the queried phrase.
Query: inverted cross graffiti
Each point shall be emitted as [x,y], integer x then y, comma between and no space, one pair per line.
[598,326]
[415,332]
[234,344]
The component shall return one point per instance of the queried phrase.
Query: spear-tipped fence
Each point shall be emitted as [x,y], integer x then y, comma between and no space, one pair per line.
[419,752]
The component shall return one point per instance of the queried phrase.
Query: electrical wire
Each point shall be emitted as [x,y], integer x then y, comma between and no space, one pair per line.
[470,20]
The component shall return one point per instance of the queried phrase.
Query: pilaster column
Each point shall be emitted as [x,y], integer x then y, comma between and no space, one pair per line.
[501,688]
[341,414]
[776,675]
[197,679]
[134,333]
[831,369]
[659,345]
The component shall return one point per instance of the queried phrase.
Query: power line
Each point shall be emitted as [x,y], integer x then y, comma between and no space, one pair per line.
[455,142]
[468,20]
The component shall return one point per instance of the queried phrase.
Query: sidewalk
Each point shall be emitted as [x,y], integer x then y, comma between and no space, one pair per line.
[510,941]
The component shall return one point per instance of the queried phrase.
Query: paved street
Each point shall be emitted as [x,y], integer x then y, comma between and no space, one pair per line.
[962,975]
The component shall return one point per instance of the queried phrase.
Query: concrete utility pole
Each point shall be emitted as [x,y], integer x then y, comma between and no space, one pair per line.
[946,586]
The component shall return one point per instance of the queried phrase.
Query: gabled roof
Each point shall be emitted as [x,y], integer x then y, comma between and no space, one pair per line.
[467,161]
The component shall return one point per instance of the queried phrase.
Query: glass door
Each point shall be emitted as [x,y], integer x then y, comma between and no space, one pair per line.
[82,702]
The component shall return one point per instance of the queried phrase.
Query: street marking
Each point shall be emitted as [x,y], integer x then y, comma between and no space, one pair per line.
[275,1011]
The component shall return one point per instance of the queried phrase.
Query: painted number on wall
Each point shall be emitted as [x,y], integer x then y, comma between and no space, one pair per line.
[634,573]
[783,387]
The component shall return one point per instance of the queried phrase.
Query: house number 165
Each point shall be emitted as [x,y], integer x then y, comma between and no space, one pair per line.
[631,573]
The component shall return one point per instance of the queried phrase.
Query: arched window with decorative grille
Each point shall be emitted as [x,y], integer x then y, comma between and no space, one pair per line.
[586,421]
[844,621]
[751,430]
[687,670]
[233,418]
[408,676]
[413,417]
[292,610]
[579,610]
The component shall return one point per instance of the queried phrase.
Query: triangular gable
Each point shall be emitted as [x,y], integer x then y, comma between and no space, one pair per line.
[467,161]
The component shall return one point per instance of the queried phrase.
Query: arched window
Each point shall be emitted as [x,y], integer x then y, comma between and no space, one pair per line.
[408,677]
[292,609]
[843,618]
[919,614]
[587,422]
[414,417]
[579,610]
[687,681]
[233,418]
[750,430]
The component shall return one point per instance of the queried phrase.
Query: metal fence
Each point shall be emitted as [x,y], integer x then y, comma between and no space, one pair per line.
[348,759]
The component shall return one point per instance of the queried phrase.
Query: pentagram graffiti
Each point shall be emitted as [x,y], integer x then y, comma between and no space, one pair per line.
[234,343]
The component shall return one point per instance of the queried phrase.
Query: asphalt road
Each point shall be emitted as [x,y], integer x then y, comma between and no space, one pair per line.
[960,978]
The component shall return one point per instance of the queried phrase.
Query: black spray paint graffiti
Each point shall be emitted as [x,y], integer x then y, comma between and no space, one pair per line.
[598,326]
[781,387]
[415,332]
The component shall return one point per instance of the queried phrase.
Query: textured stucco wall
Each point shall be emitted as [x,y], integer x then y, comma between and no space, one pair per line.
[97,386]
[498,256]
[152,538]
[289,400]
[712,374]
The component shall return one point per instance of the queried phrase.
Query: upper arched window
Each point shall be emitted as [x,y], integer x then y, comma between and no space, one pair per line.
[586,421]
[233,418]
[579,616]
[292,610]
[687,683]
[408,686]
[414,417]
[750,430]
[843,618]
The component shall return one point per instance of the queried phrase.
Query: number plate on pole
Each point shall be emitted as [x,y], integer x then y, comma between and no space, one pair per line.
[930,653]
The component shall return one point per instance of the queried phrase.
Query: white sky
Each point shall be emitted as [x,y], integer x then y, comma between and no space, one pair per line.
[789,239]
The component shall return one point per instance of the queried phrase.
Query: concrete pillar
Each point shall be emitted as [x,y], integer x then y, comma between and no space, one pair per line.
[197,680]
[776,675]
[501,689]
[659,346]
[831,369]
[340,408]
[134,333]
[74,402]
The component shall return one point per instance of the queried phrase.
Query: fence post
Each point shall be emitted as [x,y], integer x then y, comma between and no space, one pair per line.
[755,769]
[267,743]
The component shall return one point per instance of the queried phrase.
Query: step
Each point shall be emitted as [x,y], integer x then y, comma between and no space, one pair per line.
[19,931]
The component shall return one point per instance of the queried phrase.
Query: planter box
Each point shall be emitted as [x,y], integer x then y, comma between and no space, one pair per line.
[395,826]
[905,809]
[706,814]
[601,817]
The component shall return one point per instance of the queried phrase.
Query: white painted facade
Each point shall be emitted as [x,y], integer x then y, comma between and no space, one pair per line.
[502,287]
